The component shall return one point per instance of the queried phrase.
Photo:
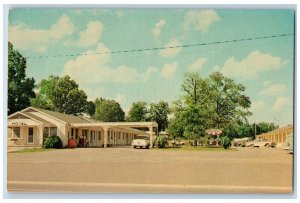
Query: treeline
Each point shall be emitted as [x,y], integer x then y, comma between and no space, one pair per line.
[212,102]
[62,94]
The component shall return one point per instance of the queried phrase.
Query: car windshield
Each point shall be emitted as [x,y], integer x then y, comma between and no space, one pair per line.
[142,137]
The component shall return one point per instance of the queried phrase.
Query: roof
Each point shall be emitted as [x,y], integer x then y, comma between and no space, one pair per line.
[288,127]
[37,118]
[63,117]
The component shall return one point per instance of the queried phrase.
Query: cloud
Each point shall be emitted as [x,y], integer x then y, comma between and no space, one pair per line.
[257,106]
[279,103]
[267,83]
[150,71]
[120,99]
[95,68]
[168,70]
[93,92]
[200,20]
[90,36]
[256,62]
[171,52]
[273,89]
[26,38]
[156,30]
[197,65]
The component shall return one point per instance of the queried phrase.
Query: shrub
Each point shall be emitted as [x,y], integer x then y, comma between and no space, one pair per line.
[161,142]
[225,141]
[53,142]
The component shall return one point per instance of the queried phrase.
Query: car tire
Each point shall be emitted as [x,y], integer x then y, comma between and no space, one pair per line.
[134,147]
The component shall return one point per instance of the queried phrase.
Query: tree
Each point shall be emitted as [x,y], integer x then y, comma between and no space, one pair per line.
[264,127]
[20,88]
[137,112]
[214,102]
[176,125]
[175,128]
[60,94]
[159,112]
[108,110]
[194,123]
[245,130]
[91,108]
[228,102]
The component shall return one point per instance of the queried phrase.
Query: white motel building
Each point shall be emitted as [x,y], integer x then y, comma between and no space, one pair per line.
[31,126]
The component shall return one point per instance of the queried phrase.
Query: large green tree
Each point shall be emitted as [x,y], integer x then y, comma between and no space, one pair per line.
[227,101]
[137,112]
[213,102]
[159,112]
[20,88]
[108,110]
[60,94]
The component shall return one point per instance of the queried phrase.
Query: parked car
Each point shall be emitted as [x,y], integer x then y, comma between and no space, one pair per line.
[258,143]
[141,141]
[240,142]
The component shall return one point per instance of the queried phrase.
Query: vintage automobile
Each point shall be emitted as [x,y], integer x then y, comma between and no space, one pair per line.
[141,141]
[240,142]
[259,143]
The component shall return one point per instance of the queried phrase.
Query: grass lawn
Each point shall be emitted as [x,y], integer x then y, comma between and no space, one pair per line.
[28,150]
[190,148]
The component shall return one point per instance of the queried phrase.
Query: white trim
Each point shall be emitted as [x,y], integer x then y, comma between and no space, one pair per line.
[19,112]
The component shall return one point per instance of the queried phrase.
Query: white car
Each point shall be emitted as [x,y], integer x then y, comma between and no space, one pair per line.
[141,142]
[258,143]
[240,142]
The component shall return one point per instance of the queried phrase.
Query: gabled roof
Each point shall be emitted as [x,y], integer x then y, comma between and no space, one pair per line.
[30,115]
[60,116]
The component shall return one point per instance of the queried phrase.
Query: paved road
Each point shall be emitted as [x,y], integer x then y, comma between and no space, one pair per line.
[247,170]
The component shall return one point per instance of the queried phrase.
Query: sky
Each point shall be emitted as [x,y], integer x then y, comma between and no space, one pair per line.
[265,67]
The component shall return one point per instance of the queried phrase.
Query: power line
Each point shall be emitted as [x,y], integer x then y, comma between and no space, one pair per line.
[161,48]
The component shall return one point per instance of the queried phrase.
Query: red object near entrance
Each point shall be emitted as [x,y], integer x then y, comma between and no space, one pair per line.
[72,143]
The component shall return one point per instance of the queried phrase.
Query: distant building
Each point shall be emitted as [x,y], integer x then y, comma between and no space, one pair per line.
[278,135]
[31,127]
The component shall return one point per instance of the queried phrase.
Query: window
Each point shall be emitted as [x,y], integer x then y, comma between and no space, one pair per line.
[53,131]
[95,133]
[30,135]
[99,135]
[16,131]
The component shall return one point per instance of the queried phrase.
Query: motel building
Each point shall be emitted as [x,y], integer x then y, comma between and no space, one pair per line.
[32,126]
[278,135]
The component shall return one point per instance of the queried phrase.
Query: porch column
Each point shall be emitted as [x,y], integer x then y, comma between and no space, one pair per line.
[40,134]
[105,138]
[151,136]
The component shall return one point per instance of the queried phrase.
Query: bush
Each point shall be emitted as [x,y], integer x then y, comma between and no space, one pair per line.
[161,141]
[225,141]
[53,142]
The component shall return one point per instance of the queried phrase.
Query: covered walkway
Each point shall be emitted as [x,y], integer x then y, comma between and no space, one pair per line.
[114,133]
